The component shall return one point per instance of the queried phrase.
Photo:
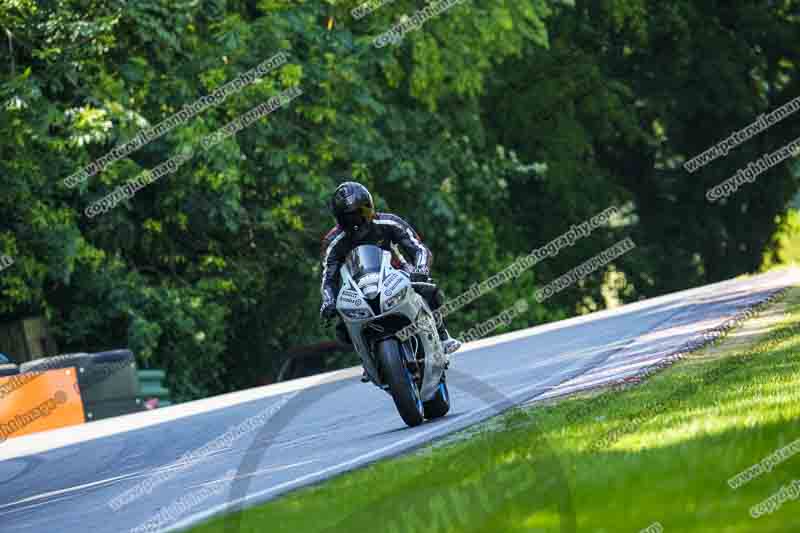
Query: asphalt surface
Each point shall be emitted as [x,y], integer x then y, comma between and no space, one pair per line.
[302,432]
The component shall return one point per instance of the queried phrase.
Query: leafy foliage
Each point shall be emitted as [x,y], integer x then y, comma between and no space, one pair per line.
[492,128]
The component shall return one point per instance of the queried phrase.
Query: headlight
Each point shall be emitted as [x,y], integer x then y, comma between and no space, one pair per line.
[396,299]
[356,313]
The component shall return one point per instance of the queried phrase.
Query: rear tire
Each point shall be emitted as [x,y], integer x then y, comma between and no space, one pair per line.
[401,385]
[439,405]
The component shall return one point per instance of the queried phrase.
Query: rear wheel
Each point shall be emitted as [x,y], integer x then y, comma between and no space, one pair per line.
[439,405]
[401,384]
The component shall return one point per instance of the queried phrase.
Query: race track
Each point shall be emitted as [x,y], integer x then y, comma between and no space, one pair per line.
[63,481]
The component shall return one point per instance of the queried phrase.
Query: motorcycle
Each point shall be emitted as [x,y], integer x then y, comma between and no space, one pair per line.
[376,301]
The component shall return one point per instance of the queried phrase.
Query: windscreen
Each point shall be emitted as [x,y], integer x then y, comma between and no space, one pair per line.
[364,259]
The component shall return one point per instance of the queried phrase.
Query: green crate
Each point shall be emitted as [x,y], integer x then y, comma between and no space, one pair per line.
[151,384]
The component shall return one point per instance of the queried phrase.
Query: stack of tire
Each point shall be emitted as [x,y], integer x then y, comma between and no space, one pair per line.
[8,369]
[108,381]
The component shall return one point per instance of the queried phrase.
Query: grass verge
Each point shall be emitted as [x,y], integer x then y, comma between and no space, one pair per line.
[657,456]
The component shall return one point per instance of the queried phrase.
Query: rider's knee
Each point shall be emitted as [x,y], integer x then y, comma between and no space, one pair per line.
[437,298]
[434,296]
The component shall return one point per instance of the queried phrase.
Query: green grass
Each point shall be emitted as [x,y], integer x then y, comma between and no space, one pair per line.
[620,461]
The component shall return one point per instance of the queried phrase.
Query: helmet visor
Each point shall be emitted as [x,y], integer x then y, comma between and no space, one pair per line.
[356,218]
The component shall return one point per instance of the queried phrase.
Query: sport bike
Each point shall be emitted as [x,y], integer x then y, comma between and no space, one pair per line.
[376,301]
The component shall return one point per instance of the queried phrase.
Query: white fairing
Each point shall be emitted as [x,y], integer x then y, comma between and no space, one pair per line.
[357,314]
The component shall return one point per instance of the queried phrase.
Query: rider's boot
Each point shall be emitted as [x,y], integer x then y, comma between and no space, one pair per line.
[449,344]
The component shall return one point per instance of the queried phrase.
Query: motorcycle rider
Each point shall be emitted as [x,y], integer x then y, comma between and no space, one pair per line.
[357,223]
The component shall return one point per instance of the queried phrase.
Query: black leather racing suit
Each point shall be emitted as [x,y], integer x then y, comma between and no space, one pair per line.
[385,230]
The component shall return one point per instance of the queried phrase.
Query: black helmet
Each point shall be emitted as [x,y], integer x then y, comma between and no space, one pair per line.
[352,207]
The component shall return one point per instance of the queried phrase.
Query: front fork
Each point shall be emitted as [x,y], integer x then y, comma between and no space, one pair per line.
[415,361]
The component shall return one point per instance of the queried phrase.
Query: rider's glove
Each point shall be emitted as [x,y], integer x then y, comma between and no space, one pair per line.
[420,274]
[328,310]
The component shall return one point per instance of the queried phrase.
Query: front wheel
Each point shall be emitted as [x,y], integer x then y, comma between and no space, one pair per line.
[401,385]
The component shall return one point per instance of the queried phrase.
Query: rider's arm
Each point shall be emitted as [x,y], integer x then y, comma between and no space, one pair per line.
[403,234]
[332,259]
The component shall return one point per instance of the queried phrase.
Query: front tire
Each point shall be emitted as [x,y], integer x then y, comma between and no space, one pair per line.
[401,385]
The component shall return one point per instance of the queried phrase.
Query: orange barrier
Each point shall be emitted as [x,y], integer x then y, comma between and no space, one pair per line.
[39,401]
